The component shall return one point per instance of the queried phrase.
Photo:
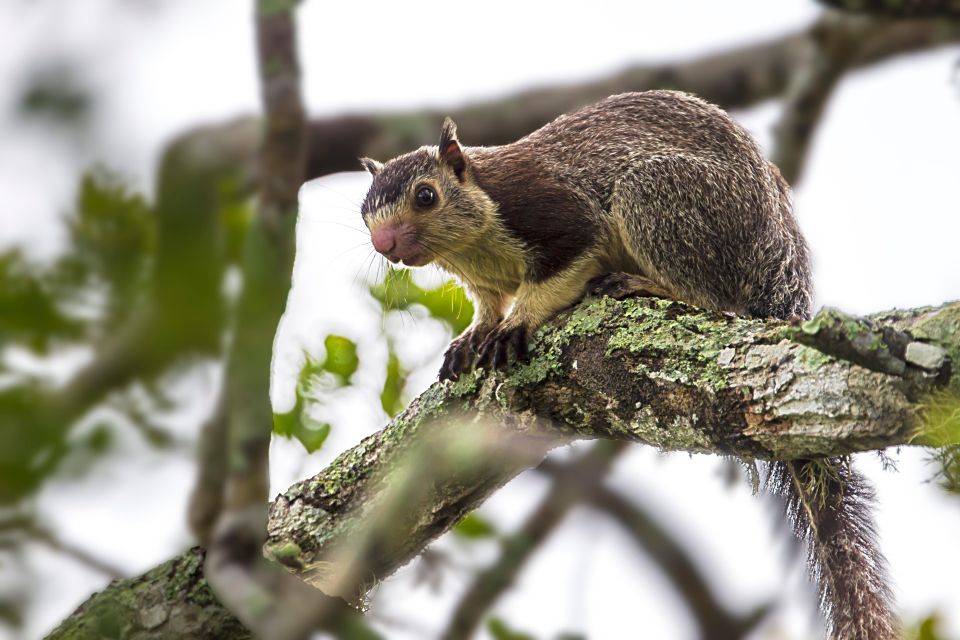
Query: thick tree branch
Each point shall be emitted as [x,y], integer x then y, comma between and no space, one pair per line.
[643,370]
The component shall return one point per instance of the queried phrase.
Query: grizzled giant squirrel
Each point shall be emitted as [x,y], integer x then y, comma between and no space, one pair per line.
[655,193]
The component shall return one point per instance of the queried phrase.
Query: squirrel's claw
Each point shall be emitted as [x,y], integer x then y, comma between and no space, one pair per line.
[495,350]
[458,357]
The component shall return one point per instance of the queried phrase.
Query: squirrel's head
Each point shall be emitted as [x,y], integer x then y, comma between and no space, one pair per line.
[425,204]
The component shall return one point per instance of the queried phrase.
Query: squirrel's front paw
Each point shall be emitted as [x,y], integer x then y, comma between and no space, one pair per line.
[461,353]
[495,350]
[458,358]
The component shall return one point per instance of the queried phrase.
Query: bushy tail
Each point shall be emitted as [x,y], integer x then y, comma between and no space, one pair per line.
[829,505]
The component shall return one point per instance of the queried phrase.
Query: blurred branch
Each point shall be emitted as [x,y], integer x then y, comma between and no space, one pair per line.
[737,78]
[490,583]
[831,48]
[46,537]
[582,482]
[21,529]
[652,371]
[899,8]
[268,600]
[713,619]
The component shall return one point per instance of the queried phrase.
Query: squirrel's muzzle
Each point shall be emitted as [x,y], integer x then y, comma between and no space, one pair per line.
[398,241]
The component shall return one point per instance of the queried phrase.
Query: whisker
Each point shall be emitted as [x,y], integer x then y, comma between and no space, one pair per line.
[362,230]
[337,193]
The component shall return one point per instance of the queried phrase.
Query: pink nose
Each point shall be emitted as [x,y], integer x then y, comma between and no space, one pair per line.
[385,238]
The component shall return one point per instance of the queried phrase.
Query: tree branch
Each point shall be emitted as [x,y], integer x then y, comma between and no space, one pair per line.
[712,618]
[738,78]
[832,45]
[582,482]
[489,584]
[899,8]
[644,370]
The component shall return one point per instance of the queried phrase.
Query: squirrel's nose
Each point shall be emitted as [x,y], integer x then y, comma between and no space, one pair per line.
[384,238]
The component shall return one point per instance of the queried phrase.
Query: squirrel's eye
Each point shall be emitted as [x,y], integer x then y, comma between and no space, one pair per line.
[425,196]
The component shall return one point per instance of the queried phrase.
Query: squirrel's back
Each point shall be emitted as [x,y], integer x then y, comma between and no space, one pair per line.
[667,180]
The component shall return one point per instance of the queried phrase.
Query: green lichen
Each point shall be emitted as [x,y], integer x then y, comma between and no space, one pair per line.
[286,552]
[682,343]
[587,319]
[812,359]
[942,327]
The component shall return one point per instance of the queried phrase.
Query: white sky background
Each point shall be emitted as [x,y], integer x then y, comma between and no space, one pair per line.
[878,205]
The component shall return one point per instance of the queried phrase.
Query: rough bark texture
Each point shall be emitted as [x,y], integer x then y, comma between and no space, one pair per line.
[644,370]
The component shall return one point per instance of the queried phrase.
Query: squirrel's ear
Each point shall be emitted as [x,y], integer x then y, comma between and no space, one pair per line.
[371,165]
[450,151]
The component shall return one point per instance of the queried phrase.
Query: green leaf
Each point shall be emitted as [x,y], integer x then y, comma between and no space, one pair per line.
[940,428]
[448,302]
[473,527]
[928,628]
[312,436]
[500,631]
[112,234]
[342,359]
[297,424]
[391,397]
[29,312]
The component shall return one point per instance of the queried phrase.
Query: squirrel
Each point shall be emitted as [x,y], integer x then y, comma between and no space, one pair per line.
[655,193]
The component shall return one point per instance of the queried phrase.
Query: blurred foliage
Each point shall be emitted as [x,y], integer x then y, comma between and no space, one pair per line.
[317,380]
[96,282]
[941,430]
[926,629]
[500,631]
[30,312]
[334,372]
[474,527]
[391,397]
[55,95]
[447,303]
[112,238]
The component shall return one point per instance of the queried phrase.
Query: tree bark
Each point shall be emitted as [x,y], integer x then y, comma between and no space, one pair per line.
[644,370]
